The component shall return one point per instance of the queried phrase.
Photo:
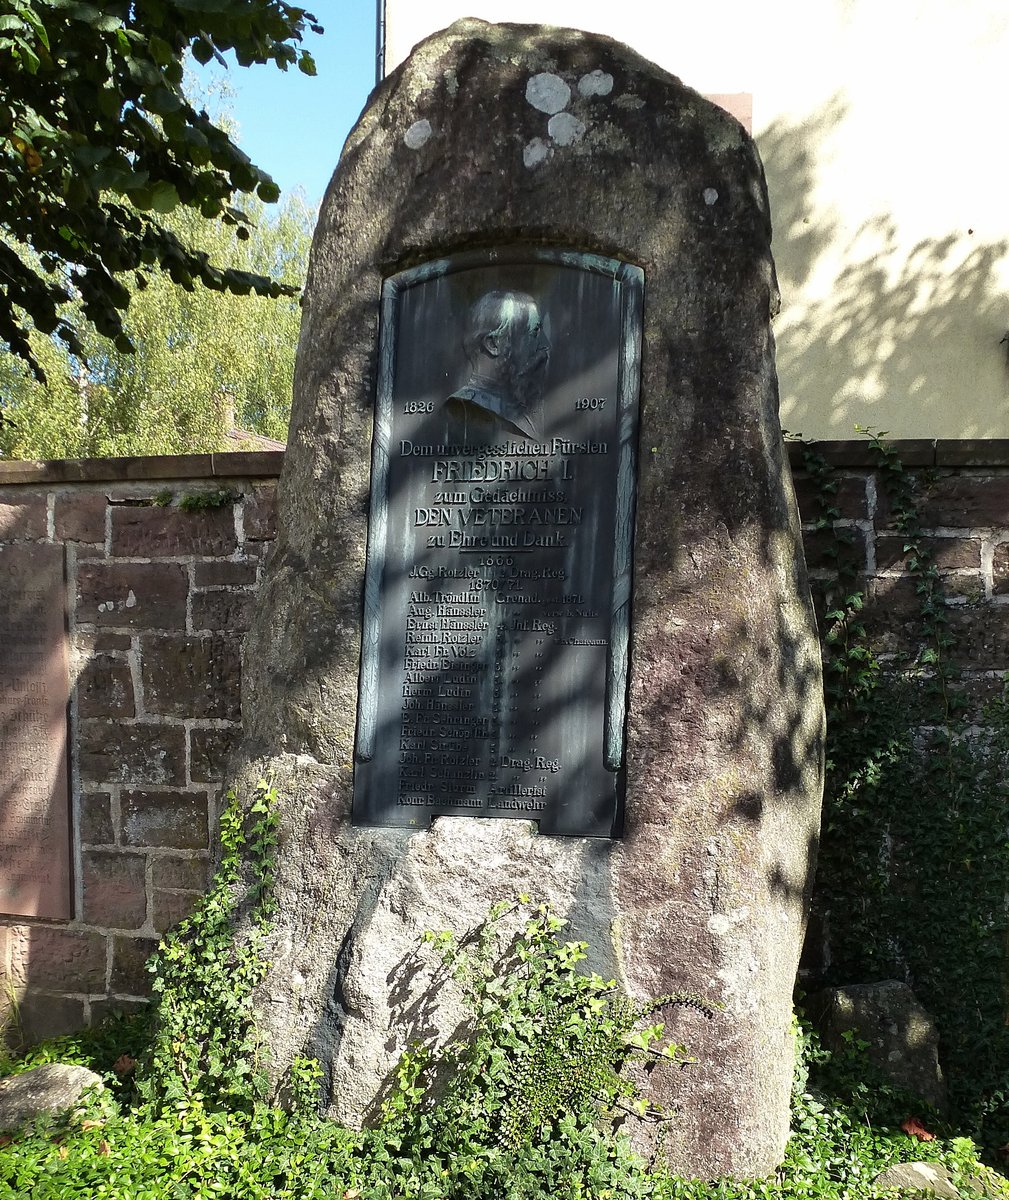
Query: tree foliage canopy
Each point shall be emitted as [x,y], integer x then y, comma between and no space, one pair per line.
[98,142]
[204,361]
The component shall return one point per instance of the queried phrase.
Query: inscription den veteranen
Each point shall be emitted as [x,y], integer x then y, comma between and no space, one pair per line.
[494,668]
[34,687]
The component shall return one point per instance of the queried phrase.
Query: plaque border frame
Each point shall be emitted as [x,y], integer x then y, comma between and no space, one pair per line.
[631,280]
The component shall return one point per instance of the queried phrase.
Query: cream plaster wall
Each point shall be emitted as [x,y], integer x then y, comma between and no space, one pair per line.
[882,130]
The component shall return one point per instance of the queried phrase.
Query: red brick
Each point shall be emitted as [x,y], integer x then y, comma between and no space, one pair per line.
[824,549]
[42,1016]
[977,692]
[225,573]
[226,610]
[189,874]
[209,751]
[129,957]
[23,515]
[172,907]
[192,676]
[108,643]
[1000,569]
[892,613]
[115,894]
[132,595]
[105,689]
[948,554]
[848,498]
[117,1006]
[171,532]
[132,754]
[174,819]
[80,516]
[96,819]
[55,959]
[981,636]
[966,501]
[260,513]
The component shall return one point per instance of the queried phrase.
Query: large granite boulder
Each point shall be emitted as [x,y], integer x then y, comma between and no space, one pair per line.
[497,136]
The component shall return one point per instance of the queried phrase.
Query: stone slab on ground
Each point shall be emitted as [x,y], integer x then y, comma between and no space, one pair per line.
[52,1088]
[903,1041]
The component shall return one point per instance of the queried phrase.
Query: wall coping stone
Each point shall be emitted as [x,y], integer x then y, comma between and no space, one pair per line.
[913,452]
[242,463]
[266,464]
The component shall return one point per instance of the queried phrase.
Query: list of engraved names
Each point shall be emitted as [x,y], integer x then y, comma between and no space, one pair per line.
[34,684]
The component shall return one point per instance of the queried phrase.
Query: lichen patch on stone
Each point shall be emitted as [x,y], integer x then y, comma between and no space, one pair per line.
[595,83]
[418,133]
[547,92]
[534,152]
[565,129]
[710,196]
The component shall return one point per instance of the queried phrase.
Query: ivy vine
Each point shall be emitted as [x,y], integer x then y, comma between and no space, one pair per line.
[914,858]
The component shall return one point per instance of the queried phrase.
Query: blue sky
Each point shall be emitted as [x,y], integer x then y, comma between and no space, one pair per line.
[293,125]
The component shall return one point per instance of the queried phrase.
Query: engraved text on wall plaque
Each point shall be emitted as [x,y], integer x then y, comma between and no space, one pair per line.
[34,688]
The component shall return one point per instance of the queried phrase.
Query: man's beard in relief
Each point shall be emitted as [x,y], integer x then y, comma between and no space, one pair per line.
[527,383]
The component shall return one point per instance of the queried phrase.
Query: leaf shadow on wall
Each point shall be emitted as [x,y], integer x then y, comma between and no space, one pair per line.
[903,337]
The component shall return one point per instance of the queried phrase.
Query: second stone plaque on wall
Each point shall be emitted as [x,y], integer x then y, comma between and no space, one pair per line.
[494,664]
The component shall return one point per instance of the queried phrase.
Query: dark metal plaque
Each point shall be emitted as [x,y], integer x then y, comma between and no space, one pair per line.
[34,689]
[497,605]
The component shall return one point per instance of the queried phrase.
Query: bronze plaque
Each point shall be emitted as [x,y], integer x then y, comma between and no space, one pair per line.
[34,689]
[497,605]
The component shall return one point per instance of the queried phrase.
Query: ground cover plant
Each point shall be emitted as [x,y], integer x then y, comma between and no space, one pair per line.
[532,1108]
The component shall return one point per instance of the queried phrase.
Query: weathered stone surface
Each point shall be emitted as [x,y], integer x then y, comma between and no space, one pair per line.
[115,894]
[46,956]
[228,610]
[225,574]
[129,958]
[948,554]
[172,907]
[176,819]
[80,516]
[114,753]
[903,1040]
[707,889]
[172,532]
[52,1088]
[260,512]
[187,874]
[935,1179]
[23,515]
[196,676]
[96,819]
[209,751]
[42,1015]
[134,595]
[105,689]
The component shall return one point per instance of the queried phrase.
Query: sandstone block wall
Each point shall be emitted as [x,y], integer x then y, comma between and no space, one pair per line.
[158,600]
[963,490]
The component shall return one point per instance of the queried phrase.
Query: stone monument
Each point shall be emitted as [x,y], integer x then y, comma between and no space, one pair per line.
[537,617]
